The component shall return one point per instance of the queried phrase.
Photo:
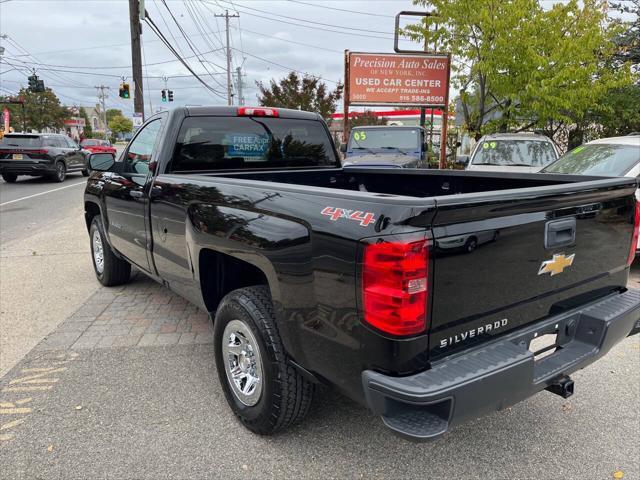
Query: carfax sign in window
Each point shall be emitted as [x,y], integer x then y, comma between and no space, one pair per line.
[247,145]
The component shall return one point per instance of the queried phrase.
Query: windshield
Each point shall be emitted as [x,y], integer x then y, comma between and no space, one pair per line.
[598,159]
[21,141]
[529,153]
[92,142]
[379,139]
[211,143]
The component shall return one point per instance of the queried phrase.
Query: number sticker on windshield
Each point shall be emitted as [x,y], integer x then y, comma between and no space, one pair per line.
[357,136]
[334,214]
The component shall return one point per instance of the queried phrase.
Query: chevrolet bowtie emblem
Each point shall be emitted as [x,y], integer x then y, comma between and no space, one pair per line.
[557,264]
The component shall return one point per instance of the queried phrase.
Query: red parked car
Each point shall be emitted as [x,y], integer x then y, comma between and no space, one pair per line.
[95,145]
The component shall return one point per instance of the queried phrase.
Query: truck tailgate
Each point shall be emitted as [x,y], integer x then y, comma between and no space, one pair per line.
[501,262]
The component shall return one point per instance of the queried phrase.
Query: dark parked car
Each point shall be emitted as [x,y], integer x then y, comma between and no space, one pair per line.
[41,155]
[315,273]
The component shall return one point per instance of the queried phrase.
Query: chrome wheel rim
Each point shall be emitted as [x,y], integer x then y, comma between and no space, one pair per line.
[98,252]
[60,171]
[242,362]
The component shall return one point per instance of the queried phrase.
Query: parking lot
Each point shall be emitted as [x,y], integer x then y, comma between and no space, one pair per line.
[126,387]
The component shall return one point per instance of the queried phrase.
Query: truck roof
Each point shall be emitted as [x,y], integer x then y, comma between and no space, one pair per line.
[516,136]
[377,127]
[227,111]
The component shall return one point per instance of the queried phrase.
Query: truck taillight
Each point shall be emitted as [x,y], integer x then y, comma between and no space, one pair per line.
[257,112]
[636,235]
[395,286]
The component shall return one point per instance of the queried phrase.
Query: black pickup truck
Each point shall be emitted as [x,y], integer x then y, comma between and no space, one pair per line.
[428,296]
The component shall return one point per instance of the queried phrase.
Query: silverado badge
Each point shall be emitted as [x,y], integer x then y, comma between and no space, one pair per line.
[557,264]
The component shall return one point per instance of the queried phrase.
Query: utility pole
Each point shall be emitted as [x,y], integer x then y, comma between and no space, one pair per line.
[229,87]
[240,84]
[136,55]
[102,97]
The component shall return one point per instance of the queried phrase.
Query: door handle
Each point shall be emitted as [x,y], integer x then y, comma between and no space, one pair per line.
[136,193]
[560,233]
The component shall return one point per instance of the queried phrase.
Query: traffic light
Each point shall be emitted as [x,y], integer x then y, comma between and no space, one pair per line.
[40,86]
[33,82]
[124,90]
[164,95]
[170,95]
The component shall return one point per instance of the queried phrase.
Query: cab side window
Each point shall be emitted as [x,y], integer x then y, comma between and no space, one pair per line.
[140,151]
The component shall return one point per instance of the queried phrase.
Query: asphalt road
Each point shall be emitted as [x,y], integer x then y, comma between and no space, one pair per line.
[72,408]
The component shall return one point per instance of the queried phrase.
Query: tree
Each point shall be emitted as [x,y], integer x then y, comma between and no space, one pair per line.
[120,124]
[518,65]
[42,110]
[366,118]
[300,93]
[87,131]
[113,112]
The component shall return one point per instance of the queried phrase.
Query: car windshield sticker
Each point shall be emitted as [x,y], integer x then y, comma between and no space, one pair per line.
[493,144]
[246,145]
[357,136]
[485,145]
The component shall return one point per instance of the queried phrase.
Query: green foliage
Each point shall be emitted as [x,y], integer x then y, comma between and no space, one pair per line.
[300,93]
[518,65]
[113,112]
[87,130]
[366,118]
[42,110]
[120,124]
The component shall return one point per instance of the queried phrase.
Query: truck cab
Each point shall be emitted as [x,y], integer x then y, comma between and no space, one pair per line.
[386,146]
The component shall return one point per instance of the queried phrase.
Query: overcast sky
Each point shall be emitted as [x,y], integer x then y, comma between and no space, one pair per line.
[76,45]
[89,39]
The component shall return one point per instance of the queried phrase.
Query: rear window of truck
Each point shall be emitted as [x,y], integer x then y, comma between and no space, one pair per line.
[217,143]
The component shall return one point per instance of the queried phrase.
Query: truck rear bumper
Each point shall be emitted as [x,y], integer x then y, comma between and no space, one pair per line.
[501,373]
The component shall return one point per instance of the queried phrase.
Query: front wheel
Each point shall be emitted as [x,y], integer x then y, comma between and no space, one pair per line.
[9,177]
[263,390]
[86,172]
[110,270]
[60,173]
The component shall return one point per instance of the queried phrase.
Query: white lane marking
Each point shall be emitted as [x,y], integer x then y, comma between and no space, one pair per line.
[42,193]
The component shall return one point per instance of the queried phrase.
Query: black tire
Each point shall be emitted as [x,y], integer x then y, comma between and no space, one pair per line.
[9,177]
[471,244]
[86,172]
[115,271]
[286,395]
[61,172]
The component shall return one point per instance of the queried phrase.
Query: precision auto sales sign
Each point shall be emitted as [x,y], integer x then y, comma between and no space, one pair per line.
[397,79]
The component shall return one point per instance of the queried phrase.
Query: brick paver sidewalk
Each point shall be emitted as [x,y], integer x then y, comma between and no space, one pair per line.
[140,313]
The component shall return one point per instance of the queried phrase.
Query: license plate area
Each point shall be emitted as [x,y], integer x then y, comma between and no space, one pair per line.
[543,345]
[17,156]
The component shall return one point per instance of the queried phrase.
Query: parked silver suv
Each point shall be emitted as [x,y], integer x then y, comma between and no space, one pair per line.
[513,152]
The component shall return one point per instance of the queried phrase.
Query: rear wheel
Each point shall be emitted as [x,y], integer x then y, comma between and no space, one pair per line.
[60,174]
[263,390]
[9,177]
[471,244]
[110,270]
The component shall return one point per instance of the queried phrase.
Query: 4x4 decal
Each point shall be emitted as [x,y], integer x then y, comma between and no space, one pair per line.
[365,218]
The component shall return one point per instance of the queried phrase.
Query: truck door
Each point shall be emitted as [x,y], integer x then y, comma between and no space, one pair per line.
[126,198]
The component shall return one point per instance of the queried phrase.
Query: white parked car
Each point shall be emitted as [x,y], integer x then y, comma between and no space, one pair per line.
[606,157]
[513,152]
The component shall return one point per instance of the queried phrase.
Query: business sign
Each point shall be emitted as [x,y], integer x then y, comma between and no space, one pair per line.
[5,119]
[75,122]
[397,79]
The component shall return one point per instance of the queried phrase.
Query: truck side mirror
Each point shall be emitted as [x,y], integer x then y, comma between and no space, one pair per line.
[343,147]
[102,162]
[462,159]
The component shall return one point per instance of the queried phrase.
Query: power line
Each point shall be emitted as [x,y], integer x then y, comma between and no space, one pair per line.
[157,31]
[293,41]
[343,9]
[289,68]
[366,30]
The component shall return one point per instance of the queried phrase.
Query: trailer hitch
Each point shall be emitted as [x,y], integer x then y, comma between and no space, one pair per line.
[563,386]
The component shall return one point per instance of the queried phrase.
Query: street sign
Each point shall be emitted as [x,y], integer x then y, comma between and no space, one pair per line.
[397,79]
[137,120]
